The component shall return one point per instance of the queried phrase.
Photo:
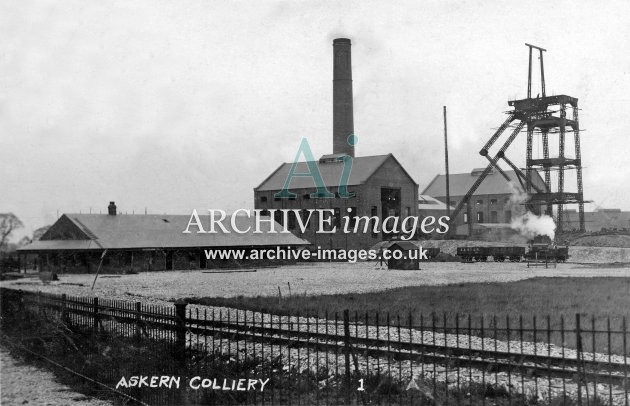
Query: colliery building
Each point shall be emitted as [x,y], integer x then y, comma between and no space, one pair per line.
[130,243]
[494,204]
[380,186]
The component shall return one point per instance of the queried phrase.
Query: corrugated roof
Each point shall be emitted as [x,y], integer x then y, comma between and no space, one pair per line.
[362,169]
[163,231]
[493,184]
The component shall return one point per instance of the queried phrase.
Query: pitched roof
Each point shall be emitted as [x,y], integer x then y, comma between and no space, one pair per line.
[426,202]
[100,231]
[493,184]
[363,168]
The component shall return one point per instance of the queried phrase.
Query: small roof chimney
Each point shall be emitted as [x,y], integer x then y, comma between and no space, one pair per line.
[111,209]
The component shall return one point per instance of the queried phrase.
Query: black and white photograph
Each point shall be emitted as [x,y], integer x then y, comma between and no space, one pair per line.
[314,202]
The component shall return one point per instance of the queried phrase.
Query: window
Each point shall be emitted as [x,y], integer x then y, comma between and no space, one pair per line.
[508,216]
[277,217]
[263,199]
[479,202]
[493,202]
[479,217]
[276,199]
[306,196]
[465,218]
[352,221]
[292,197]
[292,220]
[304,218]
[374,213]
[337,219]
[264,212]
[493,217]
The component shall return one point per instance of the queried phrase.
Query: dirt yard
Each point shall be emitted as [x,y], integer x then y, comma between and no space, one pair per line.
[310,279]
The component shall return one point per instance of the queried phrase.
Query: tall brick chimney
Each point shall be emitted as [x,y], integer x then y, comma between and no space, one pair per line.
[343,121]
[111,209]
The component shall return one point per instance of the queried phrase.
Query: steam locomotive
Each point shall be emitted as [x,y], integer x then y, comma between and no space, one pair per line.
[536,252]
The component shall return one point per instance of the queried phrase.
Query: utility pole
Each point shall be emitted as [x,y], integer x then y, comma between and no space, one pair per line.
[448,194]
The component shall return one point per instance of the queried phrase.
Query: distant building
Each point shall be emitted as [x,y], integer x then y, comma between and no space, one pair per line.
[494,203]
[430,206]
[122,242]
[598,220]
[380,185]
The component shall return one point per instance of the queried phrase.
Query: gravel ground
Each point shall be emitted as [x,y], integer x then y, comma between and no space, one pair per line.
[162,287]
[23,384]
[310,278]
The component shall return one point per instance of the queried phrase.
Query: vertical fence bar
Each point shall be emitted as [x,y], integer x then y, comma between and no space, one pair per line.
[327,340]
[535,331]
[448,358]
[389,358]
[378,358]
[496,339]
[138,314]
[522,342]
[180,337]
[625,359]
[410,345]
[549,357]
[483,370]
[64,310]
[610,385]
[94,317]
[470,380]
[578,343]
[562,338]
[458,368]
[434,380]
[346,334]
[593,332]
[399,360]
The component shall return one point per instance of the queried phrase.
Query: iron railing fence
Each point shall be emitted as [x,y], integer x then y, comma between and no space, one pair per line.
[346,358]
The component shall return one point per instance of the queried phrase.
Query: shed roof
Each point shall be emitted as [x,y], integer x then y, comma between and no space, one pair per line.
[493,184]
[363,168]
[138,231]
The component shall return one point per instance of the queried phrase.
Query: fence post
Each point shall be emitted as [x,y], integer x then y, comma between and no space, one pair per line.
[346,333]
[180,333]
[95,317]
[138,320]
[64,310]
[578,344]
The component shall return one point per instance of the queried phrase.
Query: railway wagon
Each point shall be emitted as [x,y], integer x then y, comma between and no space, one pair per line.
[514,254]
[470,254]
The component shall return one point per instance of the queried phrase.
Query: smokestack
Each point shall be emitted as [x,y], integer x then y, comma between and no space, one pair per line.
[111,209]
[343,121]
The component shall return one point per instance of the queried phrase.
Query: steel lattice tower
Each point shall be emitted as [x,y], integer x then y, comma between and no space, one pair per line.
[542,117]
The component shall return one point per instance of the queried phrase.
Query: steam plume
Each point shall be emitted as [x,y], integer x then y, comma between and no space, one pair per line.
[529,224]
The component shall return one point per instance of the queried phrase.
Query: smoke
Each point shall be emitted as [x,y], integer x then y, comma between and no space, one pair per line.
[519,196]
[529,225]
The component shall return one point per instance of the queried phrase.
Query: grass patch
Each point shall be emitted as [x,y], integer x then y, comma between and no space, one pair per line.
[559,299]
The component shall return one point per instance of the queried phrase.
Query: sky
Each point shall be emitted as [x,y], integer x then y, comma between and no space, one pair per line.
[169,106]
